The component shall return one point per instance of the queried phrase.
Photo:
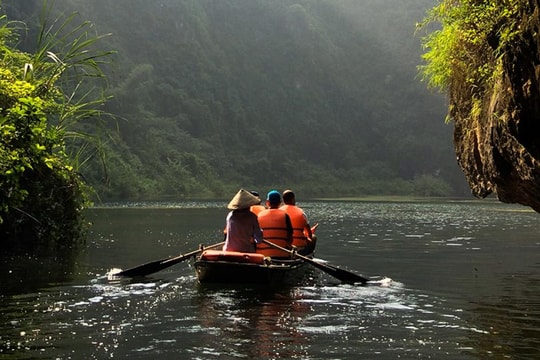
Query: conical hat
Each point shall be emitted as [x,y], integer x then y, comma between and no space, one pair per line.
[243,200]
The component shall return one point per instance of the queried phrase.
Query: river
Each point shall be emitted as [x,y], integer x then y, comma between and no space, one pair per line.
[465,284]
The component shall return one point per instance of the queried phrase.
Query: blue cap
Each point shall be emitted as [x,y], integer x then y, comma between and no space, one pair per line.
[273,197]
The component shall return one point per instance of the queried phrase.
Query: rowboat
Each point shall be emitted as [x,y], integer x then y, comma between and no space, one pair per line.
[237,267]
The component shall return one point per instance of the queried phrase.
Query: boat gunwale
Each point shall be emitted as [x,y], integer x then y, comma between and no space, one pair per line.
[273,264]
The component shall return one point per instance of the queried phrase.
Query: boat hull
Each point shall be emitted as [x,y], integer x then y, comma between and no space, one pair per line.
[224,270]
[214,266]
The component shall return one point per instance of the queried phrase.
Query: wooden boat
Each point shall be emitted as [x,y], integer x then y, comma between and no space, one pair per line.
[237,267]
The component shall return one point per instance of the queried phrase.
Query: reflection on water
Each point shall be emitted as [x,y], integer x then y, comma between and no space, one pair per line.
[255,322]
[513,316]
[466,286]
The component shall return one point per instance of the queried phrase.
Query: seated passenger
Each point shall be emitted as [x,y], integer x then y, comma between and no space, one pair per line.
[256,209]
[276,226]
[242,230]
[302,236]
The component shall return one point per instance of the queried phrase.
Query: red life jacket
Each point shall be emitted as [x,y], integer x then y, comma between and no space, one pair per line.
[274,226]
[299,223]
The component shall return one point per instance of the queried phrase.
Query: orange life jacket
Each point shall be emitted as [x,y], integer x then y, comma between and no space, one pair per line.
[274,226]
[256,209]
[299,224]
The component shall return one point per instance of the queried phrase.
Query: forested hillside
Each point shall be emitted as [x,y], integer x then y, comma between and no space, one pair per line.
[317,95]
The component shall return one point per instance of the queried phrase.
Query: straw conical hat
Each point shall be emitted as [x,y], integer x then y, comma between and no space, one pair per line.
[243,200]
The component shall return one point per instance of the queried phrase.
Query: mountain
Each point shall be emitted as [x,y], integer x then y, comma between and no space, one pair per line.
[322,96]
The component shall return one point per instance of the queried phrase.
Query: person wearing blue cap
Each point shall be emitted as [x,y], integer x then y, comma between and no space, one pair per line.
[276,226]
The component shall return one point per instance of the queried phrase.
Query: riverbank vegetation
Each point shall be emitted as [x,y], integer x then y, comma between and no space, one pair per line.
[45,103]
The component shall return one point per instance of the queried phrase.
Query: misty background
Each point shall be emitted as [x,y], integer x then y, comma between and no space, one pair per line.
[322,96]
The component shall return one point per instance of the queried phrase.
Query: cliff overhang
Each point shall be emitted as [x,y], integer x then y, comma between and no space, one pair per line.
[498,145]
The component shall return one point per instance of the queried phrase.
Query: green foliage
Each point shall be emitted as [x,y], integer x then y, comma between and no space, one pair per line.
[216,95]
[429,185]
[463,53]
[42,195]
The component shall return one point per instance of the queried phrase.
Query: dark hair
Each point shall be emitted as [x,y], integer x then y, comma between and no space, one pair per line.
[288,195]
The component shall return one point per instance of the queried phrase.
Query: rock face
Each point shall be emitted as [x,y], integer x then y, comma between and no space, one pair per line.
[498,147]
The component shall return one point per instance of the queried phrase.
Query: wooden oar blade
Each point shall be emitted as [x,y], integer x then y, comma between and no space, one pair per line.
[341,274]
[151,267]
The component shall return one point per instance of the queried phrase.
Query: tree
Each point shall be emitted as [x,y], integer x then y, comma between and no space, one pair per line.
[43,97]
[320,83]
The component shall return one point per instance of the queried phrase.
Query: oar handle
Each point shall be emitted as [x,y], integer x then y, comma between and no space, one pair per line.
[182,257]
[286,250]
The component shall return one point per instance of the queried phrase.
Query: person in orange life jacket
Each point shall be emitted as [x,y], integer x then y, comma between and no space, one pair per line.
[242,227]
[256,209]
[276,226]
[303,238]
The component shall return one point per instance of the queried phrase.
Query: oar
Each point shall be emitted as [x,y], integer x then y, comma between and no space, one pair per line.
[158,265]
[343,275]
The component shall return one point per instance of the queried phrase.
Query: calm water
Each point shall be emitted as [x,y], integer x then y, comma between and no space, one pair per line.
[466,285]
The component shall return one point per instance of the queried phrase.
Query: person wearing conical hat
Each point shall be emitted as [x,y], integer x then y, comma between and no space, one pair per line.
[242,227]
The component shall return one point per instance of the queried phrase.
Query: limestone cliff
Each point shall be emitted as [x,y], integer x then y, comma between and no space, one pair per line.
[498,143]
